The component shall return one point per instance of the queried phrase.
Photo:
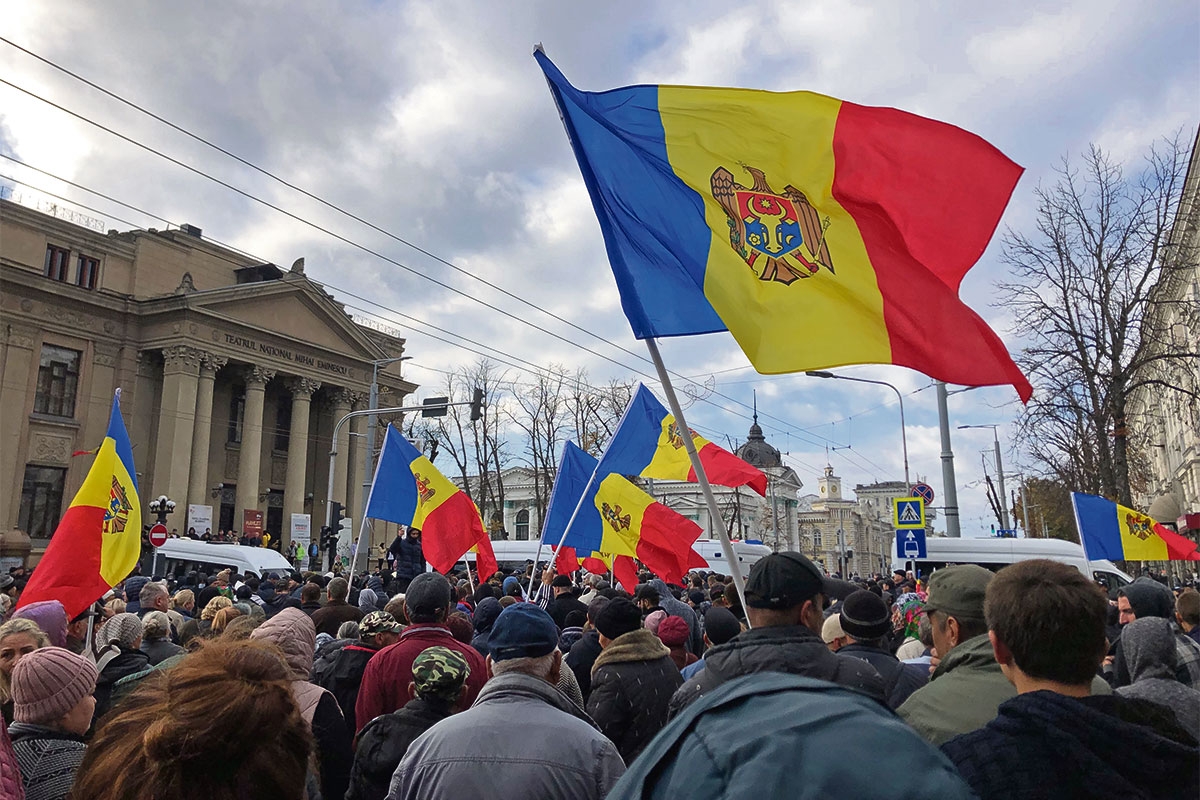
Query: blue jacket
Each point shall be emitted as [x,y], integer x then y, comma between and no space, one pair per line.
[769,736]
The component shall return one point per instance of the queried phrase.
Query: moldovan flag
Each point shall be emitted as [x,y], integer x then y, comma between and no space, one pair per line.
[99,539]
[818,232]
[648,443]
[1114,532]
[409,490]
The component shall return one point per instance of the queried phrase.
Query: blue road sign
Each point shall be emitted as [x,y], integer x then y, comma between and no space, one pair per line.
[910,544]
[908,512]
[923,491]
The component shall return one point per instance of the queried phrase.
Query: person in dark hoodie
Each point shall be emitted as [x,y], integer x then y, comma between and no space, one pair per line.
[867,622]
[1055,739]
[274,601]
[439,676]
[584,652]
[678,608]
[786,595]
[341,670]
[1149,653]
[485,617]
[1143,598]
[410,560]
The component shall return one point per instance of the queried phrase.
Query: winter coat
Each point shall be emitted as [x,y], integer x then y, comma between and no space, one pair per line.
[384,741]
[389,672]
[560,606]
[632,683]
[293,633]
[768,736]
[273,602]
[11,787]
[410,561]
[568,638]
[159,650]
[793,649]
[121,663]
[1149,653]
[899,680]
[48,759]
[964,693]
[558,754]
[341,673]
[485,617]
[677,608]
[582,658]
[331,616]
[1047,745]
[1149,598]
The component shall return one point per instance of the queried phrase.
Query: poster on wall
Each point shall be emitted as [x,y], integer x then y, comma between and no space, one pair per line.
[301,531]
[252,523]
[199,519]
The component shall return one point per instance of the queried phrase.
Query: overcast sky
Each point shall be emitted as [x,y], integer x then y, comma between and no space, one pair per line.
[432,121]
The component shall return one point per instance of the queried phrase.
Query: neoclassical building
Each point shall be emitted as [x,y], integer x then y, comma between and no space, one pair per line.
[232,375]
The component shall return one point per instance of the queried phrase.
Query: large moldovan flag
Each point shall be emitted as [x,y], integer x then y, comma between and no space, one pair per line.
[99,539]
[409,490]
[818,232]
[1111,531]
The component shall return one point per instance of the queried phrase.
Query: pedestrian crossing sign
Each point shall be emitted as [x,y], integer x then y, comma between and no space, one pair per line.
[908,512]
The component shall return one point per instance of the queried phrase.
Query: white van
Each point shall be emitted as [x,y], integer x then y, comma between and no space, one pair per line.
[515,555]
[747,554]
[997,553]
[180,556]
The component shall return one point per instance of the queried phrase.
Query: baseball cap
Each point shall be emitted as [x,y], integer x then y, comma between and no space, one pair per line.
[787,579]
[440,672]
[428,593]
[378,622]
[523,630]
[958,591]
[832,629]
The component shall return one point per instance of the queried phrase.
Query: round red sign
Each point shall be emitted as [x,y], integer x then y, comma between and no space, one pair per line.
[158,535]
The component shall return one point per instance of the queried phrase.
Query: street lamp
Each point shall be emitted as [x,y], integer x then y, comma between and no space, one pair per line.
[900,397]
[162,506]
[999,472]
[373,421]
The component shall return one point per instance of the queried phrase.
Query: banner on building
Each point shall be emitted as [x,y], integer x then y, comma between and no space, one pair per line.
[199,518]
[252,523]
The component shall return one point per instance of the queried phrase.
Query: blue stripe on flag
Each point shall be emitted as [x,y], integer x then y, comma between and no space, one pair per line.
[1099,531]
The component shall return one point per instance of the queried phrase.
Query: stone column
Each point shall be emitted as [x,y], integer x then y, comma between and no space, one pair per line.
[357,467]
[176,422]
[198,481]
[342,400]
[297,460]
[250,458]
[16,402]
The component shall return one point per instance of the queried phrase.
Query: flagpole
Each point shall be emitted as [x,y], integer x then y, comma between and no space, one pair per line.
[702,478]
[566,530]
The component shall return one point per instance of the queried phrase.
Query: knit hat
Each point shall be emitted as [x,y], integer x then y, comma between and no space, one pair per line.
[50,616]
[48,683]
[618,617]
[124,628]
[653,620]
[720,625]
[864,616]
[133,587]
[673,631]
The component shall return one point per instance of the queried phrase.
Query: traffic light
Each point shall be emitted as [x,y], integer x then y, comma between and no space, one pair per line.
[346,526]
[335,514]
[477,405]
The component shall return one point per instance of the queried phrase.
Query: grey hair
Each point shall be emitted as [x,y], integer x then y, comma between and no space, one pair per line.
[348,630]
[535,666]
[156,625]
[150,591]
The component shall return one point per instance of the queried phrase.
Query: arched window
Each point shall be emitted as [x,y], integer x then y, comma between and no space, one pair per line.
[522,525]
[817,539]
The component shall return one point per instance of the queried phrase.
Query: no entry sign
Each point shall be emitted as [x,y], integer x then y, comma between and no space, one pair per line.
[158,535]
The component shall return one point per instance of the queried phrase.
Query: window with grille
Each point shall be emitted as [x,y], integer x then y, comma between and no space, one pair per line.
[87,272]
[58,381]
[41,500]
[58,260]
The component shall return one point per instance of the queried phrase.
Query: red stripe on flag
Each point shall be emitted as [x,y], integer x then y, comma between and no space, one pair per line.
[451,530]
[725,469]
[1179,548]
[69,572]
[666,541]
[625,572]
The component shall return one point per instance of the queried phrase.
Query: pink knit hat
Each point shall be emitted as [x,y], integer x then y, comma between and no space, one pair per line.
[50,616]
[48,683]
[653,620]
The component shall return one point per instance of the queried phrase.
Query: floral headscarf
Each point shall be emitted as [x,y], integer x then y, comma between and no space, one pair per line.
[906,614]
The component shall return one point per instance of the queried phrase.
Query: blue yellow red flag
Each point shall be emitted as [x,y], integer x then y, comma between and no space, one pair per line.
[781,217]
[409,490]
[98,540]
[1111,531]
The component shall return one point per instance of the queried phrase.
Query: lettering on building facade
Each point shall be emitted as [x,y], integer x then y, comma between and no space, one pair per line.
[284,354]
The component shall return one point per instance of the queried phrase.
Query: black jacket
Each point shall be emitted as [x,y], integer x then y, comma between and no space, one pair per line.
[385,740]
[125,663]
[341,672]
[792,649]
[274,602]
[1046,745]
[581,658]
[899,680]
[410,562]
[561,606]
[632,683]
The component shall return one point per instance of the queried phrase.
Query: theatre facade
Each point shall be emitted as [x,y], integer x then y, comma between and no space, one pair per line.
[232,375]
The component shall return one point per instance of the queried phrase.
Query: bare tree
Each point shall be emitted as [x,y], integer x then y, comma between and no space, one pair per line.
[595,411]
[540,410]
[1082,292]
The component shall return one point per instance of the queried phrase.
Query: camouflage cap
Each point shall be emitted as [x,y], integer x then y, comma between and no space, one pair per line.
[440,672]
[377,622]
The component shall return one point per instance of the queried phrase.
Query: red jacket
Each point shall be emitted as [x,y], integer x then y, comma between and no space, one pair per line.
[389,672]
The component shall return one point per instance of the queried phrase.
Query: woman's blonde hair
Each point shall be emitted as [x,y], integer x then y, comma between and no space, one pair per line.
[215,605]
[13,626]
[223,617]
[116,605]
[182,598]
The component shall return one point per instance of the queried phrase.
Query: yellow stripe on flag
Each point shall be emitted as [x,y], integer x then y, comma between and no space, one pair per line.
[433,489]
[1138,539]
[622,506]
[670,460]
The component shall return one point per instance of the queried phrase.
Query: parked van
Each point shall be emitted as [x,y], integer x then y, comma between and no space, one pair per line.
[747,554]
[997,553]
[181,556]
[515,555]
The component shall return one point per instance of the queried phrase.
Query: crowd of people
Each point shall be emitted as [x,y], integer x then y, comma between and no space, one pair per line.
[403,684]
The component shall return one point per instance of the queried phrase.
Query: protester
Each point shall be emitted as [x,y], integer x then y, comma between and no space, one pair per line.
[292,631]
[832,634]
[386,680]
[1148,647]
[565,600]
[673,632]
[133,592]
[52,689]
[310,598]
[584,652]
[119,655]
[11,785]
[77,629]
[156,638]
[1143,598]
[336,610]
[221,725]
[559,754]
[486,613]
[341,670]
[274,600]
[866,624]
[720,626]
[632,680]
[409,561]
[1187,613]
[222,618]
[677,608]
[50,616]
[18,638]
[184,602]
[786,594]
[202,628]
[439,679]
[1054,739]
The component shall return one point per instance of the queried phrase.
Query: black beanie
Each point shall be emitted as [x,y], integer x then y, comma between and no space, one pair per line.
[864,615]
[618,617]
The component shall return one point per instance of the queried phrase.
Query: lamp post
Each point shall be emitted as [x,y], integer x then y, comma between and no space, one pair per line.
[900,397]
[372,423]
[162,506]
[999,472]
